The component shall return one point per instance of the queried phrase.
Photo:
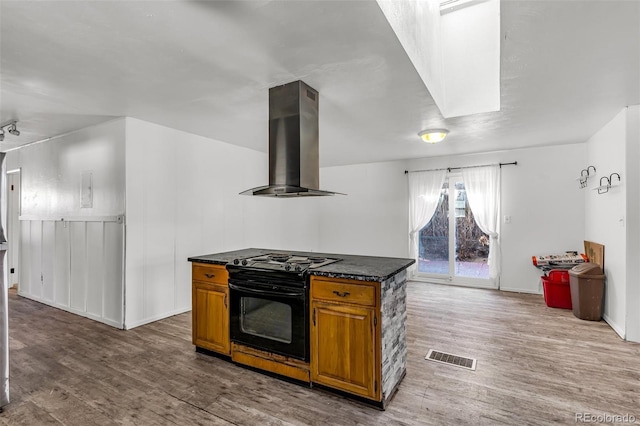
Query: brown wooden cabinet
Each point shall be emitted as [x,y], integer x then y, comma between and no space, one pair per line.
[345,336]
[210,308]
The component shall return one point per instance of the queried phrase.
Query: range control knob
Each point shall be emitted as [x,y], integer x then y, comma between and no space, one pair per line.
[298,268]
[287,267]
[236,261]
[244,262]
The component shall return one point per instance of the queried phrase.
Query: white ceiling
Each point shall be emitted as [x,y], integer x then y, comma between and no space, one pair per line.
[567,67]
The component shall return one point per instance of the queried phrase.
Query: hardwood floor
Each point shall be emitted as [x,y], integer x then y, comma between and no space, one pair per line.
[536,365]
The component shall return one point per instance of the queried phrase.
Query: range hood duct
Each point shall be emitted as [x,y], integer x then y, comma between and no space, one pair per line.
[294,168]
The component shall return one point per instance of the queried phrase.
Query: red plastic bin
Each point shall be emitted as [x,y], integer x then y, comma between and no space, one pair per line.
[557,291]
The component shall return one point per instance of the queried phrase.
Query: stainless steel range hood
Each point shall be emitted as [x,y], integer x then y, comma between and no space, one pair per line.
[293,143]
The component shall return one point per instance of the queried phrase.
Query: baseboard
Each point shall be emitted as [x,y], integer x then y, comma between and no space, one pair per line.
[138,323]
[619,331]
[438,281]
[519,290]
[88,315]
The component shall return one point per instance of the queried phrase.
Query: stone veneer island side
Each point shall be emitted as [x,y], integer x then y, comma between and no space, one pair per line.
[386,277]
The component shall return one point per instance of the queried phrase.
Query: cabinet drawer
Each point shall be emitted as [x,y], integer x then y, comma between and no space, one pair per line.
[345,292]
[209,273]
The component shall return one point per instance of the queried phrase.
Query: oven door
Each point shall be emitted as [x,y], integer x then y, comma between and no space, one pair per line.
[270,317]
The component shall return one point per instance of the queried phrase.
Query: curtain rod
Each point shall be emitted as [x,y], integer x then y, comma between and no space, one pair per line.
[515,163]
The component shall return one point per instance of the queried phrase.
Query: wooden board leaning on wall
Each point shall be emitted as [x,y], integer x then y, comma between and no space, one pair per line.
[595,253]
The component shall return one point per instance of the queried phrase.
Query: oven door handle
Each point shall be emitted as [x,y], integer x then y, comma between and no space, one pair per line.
[265,292]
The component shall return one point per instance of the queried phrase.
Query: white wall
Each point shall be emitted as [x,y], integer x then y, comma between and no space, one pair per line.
[632,184]
[417,26]
[372,218]
[605,214]
[51,172]
[182,200]
[71,257]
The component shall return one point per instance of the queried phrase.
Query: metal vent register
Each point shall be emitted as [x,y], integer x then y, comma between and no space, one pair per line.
[445,358]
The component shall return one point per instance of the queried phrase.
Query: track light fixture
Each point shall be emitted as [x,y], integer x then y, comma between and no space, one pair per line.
[9,127]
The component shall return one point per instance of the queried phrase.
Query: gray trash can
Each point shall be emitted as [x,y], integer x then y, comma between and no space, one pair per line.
[587,291]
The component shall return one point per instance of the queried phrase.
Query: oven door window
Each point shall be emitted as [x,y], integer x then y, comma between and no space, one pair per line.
[267,319]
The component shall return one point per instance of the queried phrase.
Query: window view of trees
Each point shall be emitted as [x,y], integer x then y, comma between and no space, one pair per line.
[472,245]
[434,238]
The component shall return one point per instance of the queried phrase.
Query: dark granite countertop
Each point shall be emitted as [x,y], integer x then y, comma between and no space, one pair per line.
[364,268]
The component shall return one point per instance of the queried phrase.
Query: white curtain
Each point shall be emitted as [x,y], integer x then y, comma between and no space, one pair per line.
[424,195]
[483,193]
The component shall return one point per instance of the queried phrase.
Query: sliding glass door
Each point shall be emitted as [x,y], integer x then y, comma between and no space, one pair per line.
[451,247]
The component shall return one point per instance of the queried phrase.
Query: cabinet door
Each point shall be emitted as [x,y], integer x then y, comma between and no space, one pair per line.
[343,348]
[211,317]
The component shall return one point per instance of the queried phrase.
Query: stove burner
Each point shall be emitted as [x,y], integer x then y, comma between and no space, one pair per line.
[316,259]
[279,257]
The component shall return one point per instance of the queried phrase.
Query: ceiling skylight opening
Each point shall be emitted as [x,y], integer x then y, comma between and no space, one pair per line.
[458,36]
[447,6]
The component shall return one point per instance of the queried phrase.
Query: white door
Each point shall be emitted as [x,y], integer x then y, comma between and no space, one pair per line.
[13,227]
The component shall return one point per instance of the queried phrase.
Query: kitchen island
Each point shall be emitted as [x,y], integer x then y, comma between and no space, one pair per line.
[345,331]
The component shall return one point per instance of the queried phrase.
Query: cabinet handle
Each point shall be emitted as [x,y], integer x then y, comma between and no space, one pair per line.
[314,316]
[225,301]
[343,294]
[209,275]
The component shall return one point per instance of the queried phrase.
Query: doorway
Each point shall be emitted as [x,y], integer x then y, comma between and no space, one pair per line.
[13,227]
[451,247]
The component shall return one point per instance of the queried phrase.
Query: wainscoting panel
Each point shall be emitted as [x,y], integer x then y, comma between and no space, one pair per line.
[78,278]
[62,263]
[24,287]
[35,250]
[75,264]
[47,256]
[95,268]
[113,272]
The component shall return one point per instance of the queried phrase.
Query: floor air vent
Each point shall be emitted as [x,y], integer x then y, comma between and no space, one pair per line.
[445,358]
